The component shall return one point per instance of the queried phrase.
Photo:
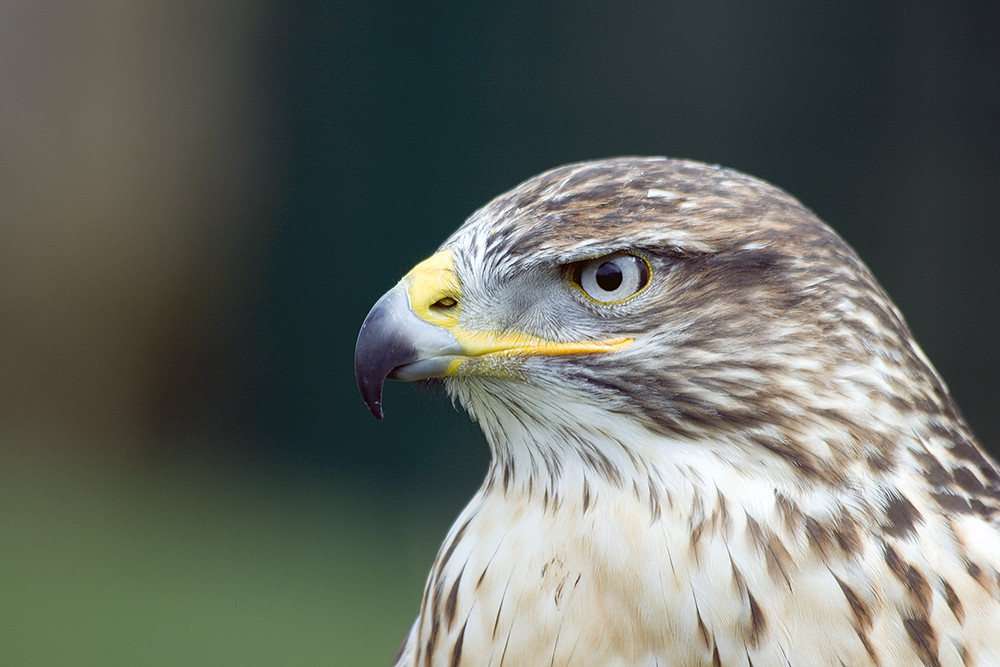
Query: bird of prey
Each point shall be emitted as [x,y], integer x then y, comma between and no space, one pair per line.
[714,440]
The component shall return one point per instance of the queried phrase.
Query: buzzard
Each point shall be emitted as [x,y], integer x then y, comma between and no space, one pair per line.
[714,440]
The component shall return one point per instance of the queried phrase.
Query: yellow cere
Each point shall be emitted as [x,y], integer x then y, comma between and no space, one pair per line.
[435,293]
[432,281]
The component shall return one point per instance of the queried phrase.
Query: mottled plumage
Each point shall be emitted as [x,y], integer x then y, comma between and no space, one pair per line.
[747,462]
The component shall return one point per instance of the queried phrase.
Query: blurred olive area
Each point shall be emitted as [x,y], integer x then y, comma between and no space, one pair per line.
[200,201]
[179,567]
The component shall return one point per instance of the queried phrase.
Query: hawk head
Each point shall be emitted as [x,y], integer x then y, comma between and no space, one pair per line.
[661,295]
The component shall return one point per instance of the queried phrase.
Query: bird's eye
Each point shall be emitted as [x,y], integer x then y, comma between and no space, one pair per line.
[612,278]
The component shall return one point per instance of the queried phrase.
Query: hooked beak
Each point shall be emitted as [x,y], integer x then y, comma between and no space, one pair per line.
[395,343]
[413,333]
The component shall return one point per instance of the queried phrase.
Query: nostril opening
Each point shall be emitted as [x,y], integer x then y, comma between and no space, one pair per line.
[444,303]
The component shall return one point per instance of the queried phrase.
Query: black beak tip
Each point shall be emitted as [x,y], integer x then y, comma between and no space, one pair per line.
[375,405]
[374,355]
[370,383]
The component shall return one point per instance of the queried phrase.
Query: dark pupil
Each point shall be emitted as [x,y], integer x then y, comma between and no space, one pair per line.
[609,276]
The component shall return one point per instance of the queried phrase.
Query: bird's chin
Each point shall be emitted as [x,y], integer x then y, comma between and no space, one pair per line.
[425,369]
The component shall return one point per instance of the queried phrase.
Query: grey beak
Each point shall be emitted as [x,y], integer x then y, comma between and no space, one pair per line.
[394,343]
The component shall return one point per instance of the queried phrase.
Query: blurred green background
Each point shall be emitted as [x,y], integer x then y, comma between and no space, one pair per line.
[200,201]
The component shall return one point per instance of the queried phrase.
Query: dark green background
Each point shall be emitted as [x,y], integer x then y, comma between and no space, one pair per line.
[883,119]
[246,508]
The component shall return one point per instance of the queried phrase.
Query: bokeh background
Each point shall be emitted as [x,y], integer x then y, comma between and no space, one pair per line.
[200,201]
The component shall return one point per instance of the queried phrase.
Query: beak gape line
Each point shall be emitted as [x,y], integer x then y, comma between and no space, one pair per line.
[406,337]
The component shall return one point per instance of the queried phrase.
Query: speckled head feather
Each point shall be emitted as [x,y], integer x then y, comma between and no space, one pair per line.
[760,467]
